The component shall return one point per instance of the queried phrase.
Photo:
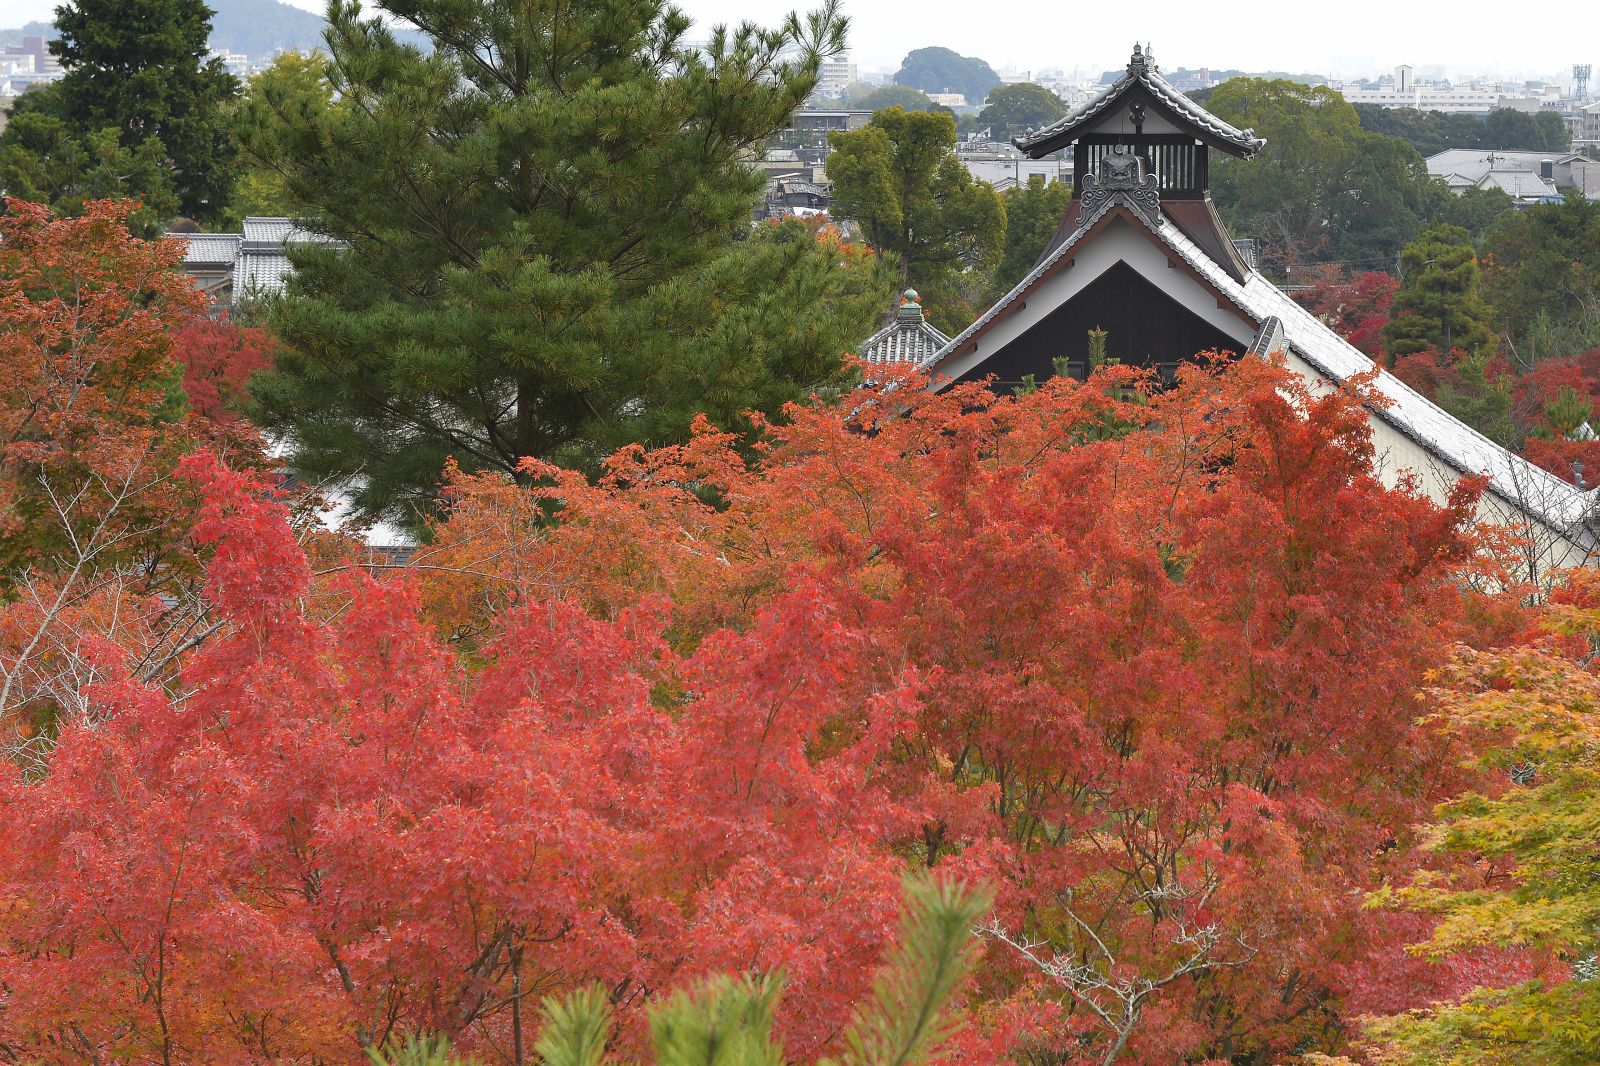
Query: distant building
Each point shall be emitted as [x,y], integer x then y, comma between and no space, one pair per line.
[793,198]
[37,48]
[1426,98]
[1527,177]
[948,99]
[834,75]
[1585,124]
[236,268]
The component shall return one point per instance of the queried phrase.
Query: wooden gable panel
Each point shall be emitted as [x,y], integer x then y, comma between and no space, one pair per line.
[1146,327]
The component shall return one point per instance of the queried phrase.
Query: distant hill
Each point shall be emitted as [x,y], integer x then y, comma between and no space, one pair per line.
[262,27]
[257,28]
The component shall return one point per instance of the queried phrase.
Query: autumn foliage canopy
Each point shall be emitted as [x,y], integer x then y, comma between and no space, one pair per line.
[1143,660]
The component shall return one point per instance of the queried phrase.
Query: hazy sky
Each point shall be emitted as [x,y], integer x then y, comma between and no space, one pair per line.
[1345,38]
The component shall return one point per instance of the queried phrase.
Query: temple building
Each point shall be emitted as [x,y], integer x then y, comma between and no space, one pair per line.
[1143,255]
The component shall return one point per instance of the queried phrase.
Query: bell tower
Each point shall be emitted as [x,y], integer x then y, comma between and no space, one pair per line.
[1153,142]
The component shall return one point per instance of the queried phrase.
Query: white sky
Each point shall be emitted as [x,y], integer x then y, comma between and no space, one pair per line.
[1352,37]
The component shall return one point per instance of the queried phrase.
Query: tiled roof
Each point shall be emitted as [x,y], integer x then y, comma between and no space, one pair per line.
[1559,504]
[908,339]
[268,230]
[209,247]
[1518,184]
[1142,71]
[1476,162]
[260,273]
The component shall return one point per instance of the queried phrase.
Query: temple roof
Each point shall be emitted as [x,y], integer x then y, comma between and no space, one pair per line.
[910,338]
[1285,325]
[1142,78]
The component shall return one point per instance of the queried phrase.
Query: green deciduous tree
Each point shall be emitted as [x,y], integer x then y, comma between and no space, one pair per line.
[141,67]
[1012,109]
[548,240]
[899,177]
[293,80]
[1543,278]
[1033,212]
[1520,866]
[1438,306]
[864,97]
[1322,189]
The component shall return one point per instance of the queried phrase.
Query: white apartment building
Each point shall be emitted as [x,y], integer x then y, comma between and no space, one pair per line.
[834,75]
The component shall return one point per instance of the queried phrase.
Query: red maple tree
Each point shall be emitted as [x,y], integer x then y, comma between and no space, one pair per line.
[1144,658]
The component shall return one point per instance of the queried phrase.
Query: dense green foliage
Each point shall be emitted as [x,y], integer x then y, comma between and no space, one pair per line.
[1324,189]
[900,179]
[876,98]
[1013,109]
[547,225]
[140,67]
[1430,132]
[1543,278]
[46,159]
[1033,213]
[295,80]
[939,70]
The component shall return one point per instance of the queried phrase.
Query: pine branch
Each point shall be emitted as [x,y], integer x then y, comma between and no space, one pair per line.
[576,1029]
[905,1021]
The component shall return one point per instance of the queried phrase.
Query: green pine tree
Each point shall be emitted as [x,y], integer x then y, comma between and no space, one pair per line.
[1438,307]
[728,1022]
[1033,213]
[1480,400]
[547,240]
[141,67]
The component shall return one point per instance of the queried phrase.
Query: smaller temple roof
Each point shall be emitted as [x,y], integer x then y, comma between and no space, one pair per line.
[908,339]
[1142,77]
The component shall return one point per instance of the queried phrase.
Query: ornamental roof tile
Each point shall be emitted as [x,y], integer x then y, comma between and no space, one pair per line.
[910,338]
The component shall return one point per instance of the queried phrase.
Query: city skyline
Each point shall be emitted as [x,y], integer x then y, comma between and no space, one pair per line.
[1254,35]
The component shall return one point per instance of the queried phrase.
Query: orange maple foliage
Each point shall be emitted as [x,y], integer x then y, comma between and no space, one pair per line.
[1172,641]
[1145,659]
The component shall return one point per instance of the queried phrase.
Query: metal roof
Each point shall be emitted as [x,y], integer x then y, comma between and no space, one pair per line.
[1559,504]
[1142,73]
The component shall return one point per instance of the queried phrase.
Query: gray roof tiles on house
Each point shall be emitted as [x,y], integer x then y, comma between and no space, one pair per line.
[209,247]
[1141,71]
[1463,448]
[260,273]
[1518,184]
